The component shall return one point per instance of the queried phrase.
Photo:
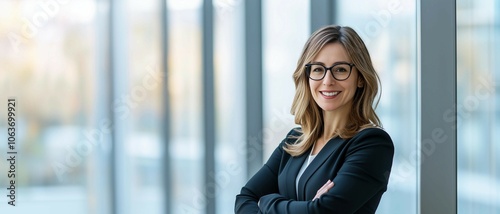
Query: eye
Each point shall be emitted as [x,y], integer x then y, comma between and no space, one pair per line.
[340,69]
[318,69]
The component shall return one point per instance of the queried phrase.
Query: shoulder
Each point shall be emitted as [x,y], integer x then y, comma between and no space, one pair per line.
[293,135]
[279,155]
[373,131]
[373,136]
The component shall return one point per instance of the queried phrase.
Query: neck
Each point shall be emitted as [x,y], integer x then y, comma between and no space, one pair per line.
[333,121]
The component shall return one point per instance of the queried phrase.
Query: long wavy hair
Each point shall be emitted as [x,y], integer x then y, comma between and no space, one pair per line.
[308,114]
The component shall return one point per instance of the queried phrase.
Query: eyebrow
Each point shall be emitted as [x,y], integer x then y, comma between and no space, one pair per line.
[335,63]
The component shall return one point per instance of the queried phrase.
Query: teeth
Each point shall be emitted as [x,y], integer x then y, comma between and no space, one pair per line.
[329,94]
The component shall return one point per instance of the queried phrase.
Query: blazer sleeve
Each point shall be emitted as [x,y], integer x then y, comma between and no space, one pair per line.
[264,182]
[364,174]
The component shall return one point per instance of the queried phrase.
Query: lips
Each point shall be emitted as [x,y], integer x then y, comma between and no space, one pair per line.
[330,93]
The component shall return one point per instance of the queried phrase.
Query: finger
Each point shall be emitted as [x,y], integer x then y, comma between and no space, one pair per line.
[324,189]
[316,196]
[330,185]
[319,194]
[321,190]
[325,185]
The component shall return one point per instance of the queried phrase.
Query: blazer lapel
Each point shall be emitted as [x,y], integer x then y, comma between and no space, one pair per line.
[321,157]
[293,170]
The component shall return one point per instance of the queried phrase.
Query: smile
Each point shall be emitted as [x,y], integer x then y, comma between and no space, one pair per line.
[330,93]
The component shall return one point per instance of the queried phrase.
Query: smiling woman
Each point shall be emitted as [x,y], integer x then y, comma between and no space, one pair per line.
[340,159]
[333,92]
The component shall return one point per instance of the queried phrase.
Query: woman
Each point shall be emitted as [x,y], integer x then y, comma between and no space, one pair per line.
[340,159]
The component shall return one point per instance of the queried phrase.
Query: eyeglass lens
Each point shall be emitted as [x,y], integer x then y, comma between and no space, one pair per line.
[340,72]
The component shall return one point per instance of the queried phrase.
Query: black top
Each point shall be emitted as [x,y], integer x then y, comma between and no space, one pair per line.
[359,167]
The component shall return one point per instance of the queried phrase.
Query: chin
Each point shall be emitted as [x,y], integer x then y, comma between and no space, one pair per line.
[329,108]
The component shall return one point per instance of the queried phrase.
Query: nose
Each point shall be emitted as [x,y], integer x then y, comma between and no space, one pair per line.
[328,79]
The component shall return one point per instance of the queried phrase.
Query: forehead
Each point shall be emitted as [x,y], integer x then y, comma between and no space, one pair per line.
[331,53]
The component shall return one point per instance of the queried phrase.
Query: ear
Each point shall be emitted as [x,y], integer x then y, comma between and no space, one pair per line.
[360,83]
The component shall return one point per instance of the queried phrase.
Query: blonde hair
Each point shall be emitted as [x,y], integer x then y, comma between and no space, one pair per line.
[308,114]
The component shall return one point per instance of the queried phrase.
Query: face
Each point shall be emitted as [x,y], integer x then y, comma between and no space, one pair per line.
[329,93]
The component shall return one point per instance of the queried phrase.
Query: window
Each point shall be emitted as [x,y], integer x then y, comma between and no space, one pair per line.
[282,45]
[140,141]
[48,60]
[478,106]
[185,87]
[389,30]
[89,84]
[230,102]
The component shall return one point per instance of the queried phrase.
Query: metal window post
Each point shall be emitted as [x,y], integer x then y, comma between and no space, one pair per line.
[438,143]
[253,85]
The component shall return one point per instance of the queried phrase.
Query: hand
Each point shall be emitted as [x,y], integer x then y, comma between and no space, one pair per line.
[324,189]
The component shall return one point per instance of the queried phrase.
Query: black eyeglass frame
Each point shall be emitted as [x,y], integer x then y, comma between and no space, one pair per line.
[308,70]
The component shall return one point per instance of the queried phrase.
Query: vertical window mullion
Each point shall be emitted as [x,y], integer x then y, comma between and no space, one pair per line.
[166,164]
[322,13]
[438,169]
[119,72]
[208,105]
[253,85]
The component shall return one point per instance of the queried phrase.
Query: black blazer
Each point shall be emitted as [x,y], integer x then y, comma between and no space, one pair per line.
[359,167]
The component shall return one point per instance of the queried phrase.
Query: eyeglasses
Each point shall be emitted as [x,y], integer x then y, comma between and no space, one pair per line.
[340,70]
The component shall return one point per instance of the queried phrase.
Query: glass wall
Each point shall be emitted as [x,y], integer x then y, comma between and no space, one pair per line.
[478,106]
[185,87]
[47,64]
[88,81]
[389,29]
[230,104]
[282,45]
[141,125]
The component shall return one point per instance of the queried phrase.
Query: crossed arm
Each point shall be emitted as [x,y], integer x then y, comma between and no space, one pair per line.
[363,175]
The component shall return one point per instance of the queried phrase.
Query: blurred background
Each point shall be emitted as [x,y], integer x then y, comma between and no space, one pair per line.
[114,99]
